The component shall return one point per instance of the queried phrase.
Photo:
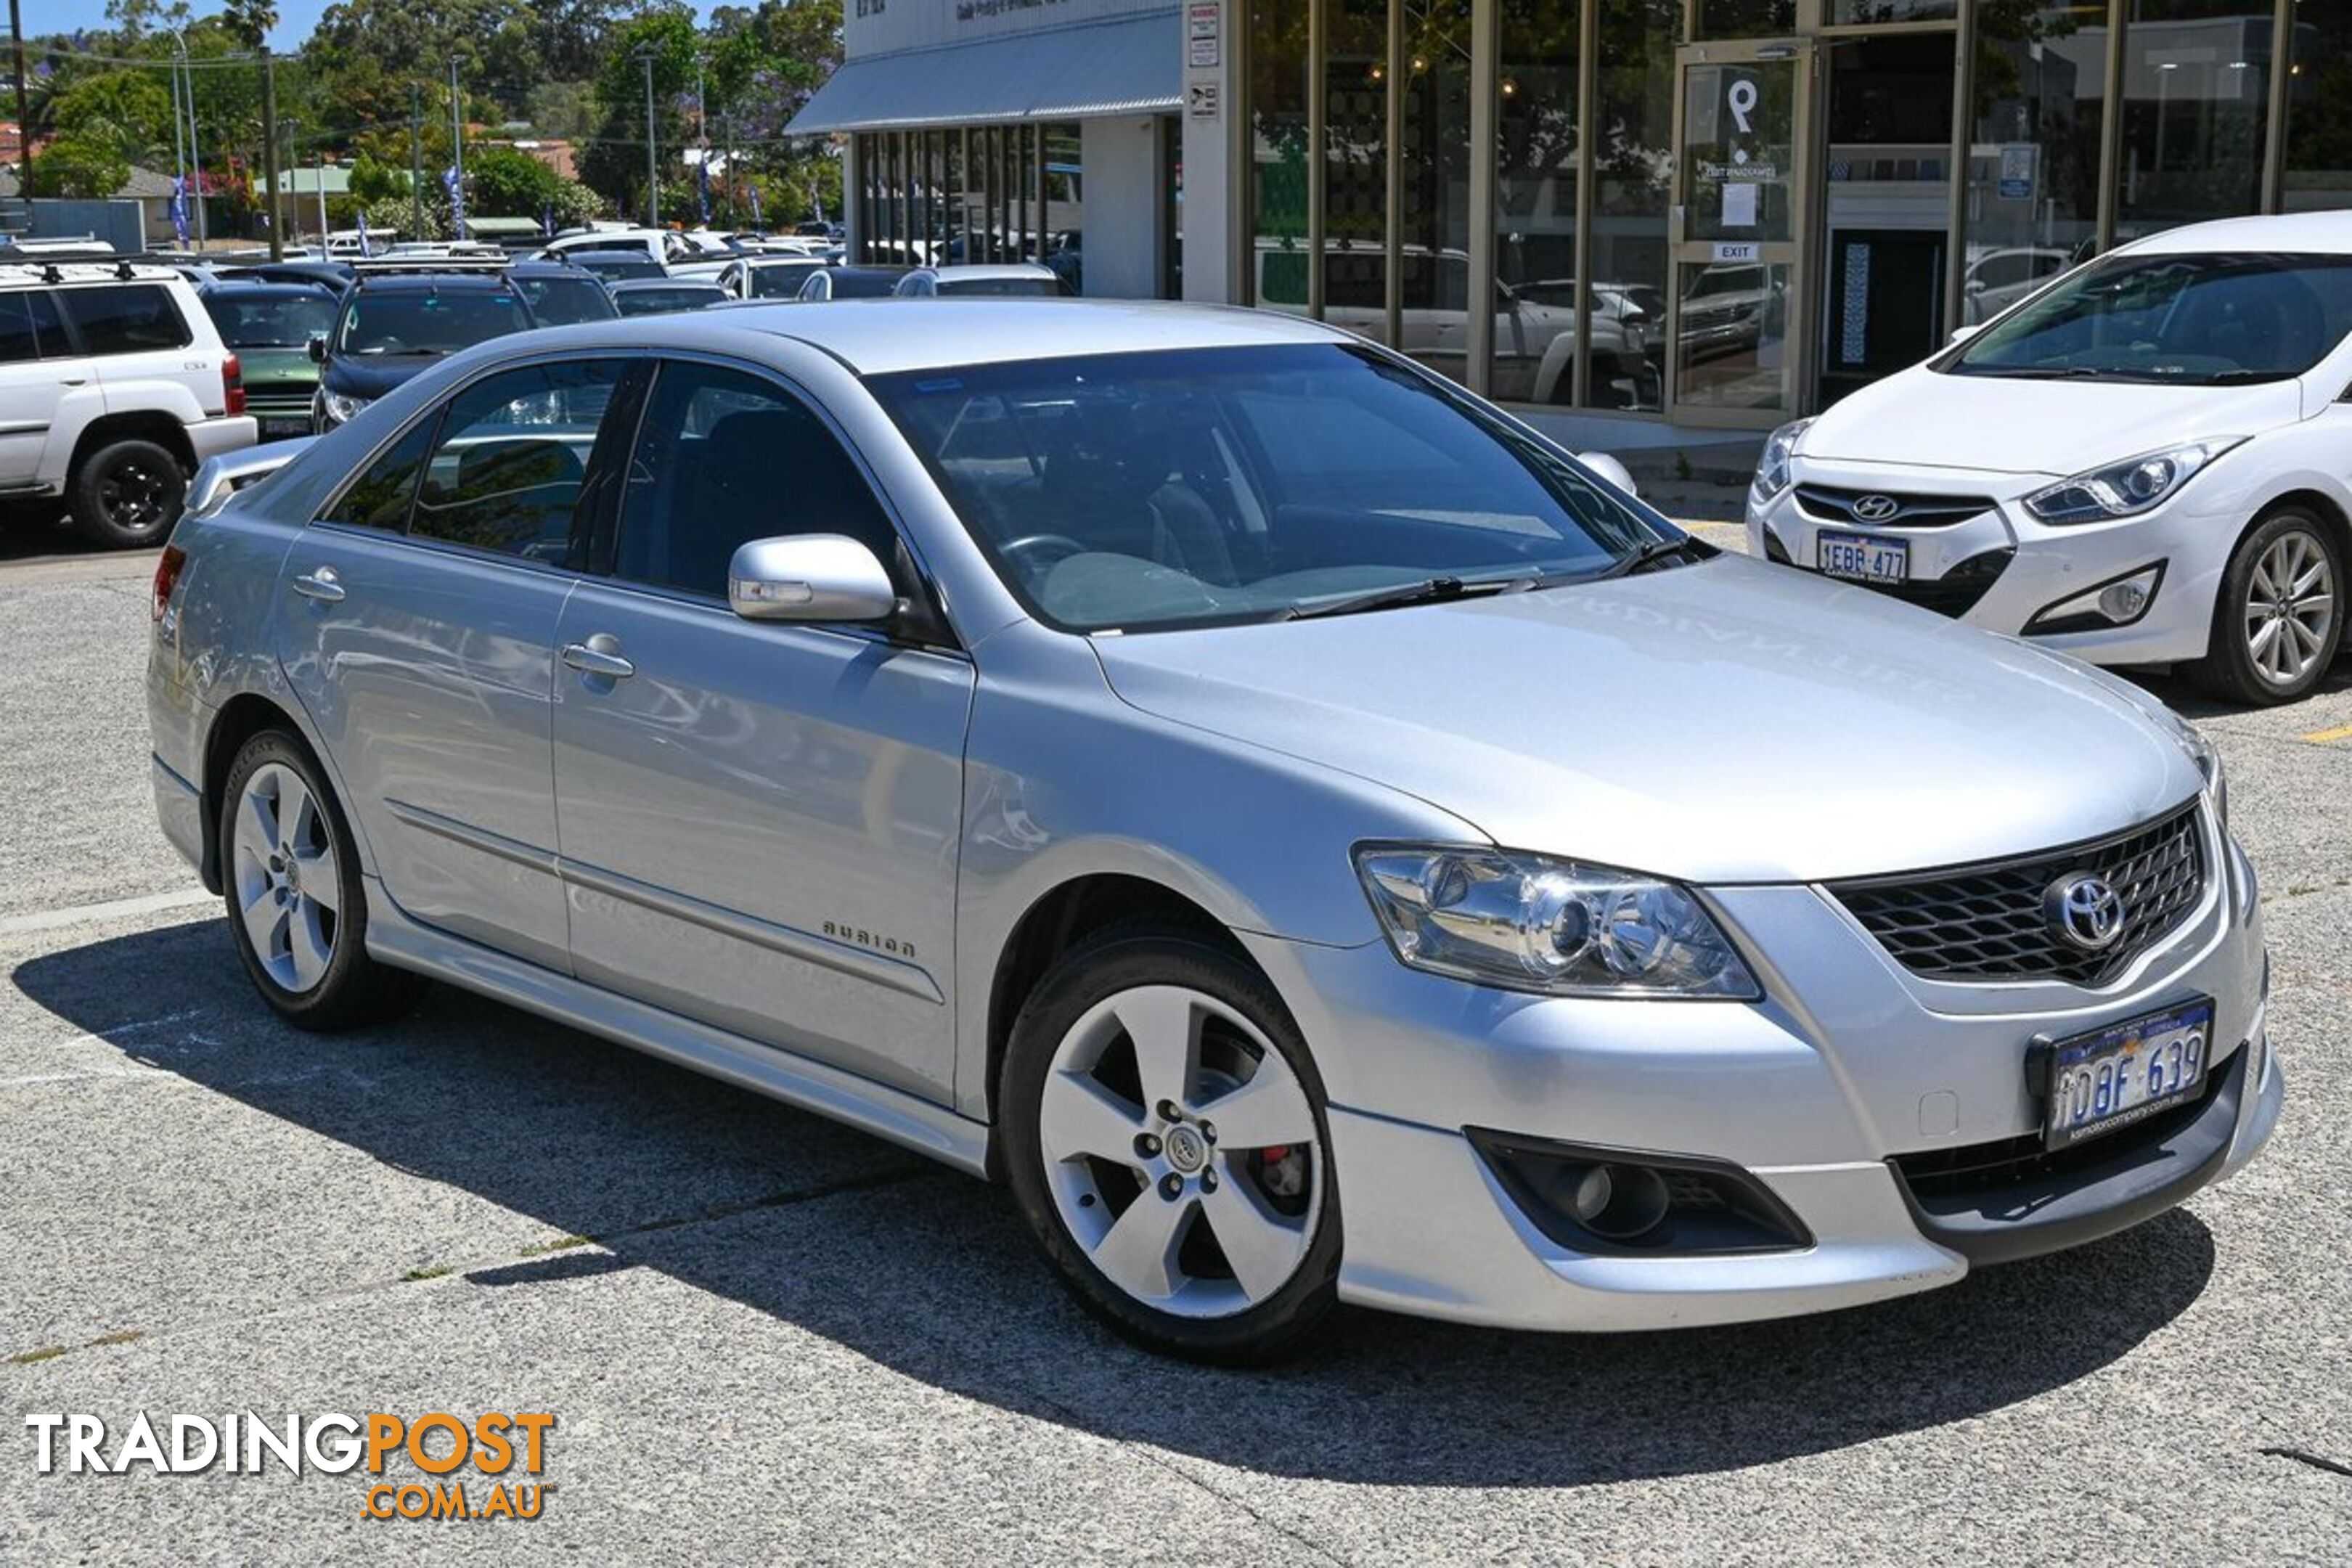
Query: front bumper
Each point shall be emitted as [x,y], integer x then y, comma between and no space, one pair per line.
[1851,1072]
[2032,567]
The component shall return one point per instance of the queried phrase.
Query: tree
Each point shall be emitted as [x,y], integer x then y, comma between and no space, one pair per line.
[503,183]
[614,164]
[128,111]
[72,166]
[250,22]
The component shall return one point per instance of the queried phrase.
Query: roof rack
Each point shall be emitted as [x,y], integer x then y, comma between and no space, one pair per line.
[378,265]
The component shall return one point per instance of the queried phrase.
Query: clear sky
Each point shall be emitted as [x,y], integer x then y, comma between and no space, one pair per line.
[295,17]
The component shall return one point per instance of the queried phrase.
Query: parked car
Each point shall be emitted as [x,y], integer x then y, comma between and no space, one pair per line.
[269,327]
[1002,281]
[2141,465]
[393,325]
[1065,739]
[114,384]
[844,282]
[661,295]
[558,294]
[767,277]
[616,266]
[659,246]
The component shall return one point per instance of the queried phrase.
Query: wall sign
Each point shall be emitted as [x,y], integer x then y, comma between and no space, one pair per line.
[1738,250]
[1200,100]
[1201,33]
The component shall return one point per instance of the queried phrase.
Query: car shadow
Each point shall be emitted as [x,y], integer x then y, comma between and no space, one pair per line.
[931,1274]
[2176,692]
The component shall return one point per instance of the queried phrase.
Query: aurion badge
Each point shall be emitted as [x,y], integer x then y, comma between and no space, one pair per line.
[1875,509]
[2085,911]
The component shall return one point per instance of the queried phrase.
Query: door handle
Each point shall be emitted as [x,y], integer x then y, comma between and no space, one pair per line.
[73,381]
[600,655]
[322,585]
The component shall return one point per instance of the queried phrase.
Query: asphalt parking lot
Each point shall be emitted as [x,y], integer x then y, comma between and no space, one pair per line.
[765,1337]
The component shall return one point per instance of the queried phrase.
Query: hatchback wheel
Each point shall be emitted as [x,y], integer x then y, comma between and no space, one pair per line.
[1166,1139]
[128,493]
[2279,618]
[292,881]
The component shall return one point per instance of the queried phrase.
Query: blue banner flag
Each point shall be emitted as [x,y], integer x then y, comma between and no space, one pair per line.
[456,189]
[364,251]
[179,208]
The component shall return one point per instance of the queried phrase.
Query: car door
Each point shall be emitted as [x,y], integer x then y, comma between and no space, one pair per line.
[416,624]
[759,820]
[39,370]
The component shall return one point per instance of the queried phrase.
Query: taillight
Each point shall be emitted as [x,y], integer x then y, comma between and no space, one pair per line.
[232,385]
[167,577]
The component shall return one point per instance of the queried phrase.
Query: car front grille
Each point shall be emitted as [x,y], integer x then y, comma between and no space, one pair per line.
[1954,594]
[1988,923]
[1828,503]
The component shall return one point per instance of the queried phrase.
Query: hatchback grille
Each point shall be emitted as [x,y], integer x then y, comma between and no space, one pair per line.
[1831,505]
[1954,594]
[1988,923]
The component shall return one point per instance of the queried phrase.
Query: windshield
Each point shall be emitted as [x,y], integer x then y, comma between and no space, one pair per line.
[777,282]
[1002,288]
[561,301]
[271,321]
[428,323]
[2195,321]
[849,285]
[1144,492]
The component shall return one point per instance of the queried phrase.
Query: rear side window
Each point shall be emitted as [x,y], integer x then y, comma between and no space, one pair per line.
[30,326]
[125,319]
[506,470]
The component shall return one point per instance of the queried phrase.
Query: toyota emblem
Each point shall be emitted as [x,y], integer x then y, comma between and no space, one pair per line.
[1875,509]
[2084,912]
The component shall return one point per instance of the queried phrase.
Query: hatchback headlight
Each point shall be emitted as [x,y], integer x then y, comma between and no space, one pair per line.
[341,408]
[1773,468]
[1528,922]
[2126,489]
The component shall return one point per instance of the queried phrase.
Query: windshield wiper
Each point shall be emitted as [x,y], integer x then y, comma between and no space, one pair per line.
[1649,554]
[1427,591]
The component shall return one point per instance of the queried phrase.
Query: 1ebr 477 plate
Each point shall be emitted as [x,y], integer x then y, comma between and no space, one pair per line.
[2109,1078]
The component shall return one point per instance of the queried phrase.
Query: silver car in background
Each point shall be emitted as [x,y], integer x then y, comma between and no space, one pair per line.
[1307,835]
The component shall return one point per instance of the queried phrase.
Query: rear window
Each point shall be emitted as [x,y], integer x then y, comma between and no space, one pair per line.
[125,319]
[271,321]
[563,301]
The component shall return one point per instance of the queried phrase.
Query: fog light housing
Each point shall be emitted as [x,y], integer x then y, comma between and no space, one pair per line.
[1628,1203]
[2103,606]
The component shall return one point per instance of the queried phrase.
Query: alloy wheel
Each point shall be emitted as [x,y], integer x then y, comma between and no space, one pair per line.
[2290,610]
[289,887]
[136,495]
[1181,1151]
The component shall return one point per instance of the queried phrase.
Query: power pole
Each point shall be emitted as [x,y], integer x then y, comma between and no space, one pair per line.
[24,137]
[269,151]
[652,166]
[415,161]
[195,160]
[322,199]
[458,149]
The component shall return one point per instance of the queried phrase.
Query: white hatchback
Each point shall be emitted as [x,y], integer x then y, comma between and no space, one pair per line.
[2148,462]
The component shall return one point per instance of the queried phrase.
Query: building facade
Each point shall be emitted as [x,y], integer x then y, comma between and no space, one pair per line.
[1719,212]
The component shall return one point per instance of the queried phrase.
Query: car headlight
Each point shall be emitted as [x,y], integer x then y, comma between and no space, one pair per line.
[1528,922]
[1772,473]
[341,408]
[2125,489]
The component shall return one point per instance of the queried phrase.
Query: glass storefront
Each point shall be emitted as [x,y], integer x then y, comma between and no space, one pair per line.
[2318,162]
[2195,104]
[986,193]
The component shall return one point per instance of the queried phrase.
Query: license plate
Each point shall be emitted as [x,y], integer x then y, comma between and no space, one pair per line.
[2124,1073]
[300,427]
[1861,559]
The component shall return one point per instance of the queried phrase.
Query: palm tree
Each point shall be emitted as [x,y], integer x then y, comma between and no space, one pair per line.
[251,20]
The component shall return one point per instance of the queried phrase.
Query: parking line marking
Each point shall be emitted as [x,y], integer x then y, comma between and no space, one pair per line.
[2326,737]
[118,909]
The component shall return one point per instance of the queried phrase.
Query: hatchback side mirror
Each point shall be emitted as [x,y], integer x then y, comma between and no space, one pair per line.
[317,348]
[809,578]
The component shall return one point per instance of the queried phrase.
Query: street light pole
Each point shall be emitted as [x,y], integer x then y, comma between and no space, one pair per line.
[415,161]
[195,160]
[653,165]
[270,151]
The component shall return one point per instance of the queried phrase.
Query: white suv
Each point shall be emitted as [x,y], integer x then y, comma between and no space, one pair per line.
[114,384]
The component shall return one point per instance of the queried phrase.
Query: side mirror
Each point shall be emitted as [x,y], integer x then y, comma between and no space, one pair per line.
[1961,334]
[317,348]
[1610,468]
[809,578]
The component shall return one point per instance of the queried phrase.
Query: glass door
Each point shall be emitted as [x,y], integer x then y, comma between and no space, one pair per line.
[1742,195]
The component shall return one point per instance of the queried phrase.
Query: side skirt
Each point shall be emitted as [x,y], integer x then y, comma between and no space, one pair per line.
[887,1113]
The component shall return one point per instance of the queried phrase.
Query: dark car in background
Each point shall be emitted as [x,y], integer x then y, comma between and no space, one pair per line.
[393,325]
[852,283]
[560,294]
[269,326]
[660,296]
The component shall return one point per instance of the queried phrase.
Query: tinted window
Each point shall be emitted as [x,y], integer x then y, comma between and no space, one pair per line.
[1002,288]
[1149,490]
[561,301]
[777,282]
[506,466]
[381,496]
[723,458]
[130,318]
[272,319]
[863,285]
[29,325]
[428,323]
[660,302]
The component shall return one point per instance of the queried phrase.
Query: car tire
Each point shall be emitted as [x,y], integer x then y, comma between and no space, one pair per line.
[127,493]
[1233,1253]
[296,907]
[2278,620]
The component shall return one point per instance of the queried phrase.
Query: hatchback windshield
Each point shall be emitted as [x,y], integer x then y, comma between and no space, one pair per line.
[270,319]
[2189,319]
[429,323]
[559,301]
[1188,487]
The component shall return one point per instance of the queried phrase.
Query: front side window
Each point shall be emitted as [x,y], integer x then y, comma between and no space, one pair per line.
[132,318]
[1151,491]
[723,458]
[506,470]
[2186,319]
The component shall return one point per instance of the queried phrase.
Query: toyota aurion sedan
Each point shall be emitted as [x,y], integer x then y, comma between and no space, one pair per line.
[1309,838]
[2144,463]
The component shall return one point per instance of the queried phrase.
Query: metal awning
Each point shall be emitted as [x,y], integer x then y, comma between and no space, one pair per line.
[1127,64]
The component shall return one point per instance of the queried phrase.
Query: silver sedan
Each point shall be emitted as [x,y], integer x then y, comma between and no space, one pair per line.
[1308,837]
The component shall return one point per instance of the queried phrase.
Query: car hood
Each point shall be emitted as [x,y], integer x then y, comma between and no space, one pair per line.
[371,376]
[1996,425]
[1724,723]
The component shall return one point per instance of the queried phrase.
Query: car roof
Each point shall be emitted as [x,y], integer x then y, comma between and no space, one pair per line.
[2313,233]
[649,285]
[883,336]
[618,253]
[961,269]
[268,288]
[564,268]
[430,282]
